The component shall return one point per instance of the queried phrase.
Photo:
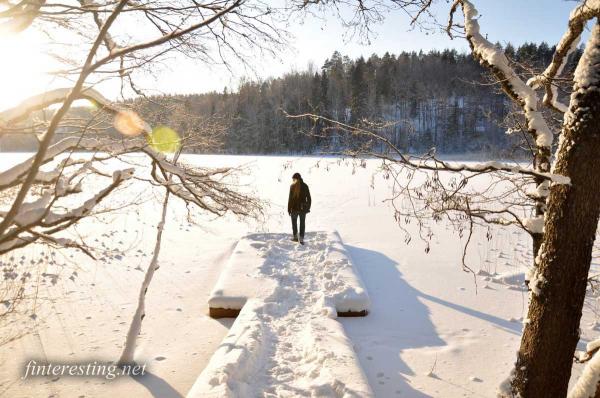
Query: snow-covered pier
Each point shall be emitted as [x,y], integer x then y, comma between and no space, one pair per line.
[286,340]
[262,263]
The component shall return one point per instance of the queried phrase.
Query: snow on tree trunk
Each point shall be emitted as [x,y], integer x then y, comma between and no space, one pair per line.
[140,313]
[545,358]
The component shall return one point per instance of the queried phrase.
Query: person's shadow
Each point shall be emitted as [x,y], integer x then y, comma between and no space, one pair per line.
[398,321]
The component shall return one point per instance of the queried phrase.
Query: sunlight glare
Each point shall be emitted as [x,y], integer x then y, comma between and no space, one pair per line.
[23,70]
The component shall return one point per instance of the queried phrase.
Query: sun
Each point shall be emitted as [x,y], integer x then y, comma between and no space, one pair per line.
[24,68]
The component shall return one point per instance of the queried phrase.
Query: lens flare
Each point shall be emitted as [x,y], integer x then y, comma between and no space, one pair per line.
[129,123]
[93,105]
[164,139]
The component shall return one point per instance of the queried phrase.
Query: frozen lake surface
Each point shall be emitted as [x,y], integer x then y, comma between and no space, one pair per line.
[430,331]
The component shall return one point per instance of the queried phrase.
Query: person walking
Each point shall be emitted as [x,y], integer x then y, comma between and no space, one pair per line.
[299,203]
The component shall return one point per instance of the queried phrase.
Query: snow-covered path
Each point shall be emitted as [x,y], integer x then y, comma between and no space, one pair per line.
[297,300]
[288,344]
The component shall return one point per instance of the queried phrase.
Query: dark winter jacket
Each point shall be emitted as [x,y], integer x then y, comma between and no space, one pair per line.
[300,204]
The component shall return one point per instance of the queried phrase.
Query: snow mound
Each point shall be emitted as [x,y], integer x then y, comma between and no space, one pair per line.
[325,265]
[513,280]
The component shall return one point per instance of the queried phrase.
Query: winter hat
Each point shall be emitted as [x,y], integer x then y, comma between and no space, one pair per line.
[297,176]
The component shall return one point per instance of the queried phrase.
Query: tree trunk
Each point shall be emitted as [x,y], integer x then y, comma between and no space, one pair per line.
[140,313]
[545,358]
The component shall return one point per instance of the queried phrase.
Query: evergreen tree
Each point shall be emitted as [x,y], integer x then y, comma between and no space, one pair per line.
[433,97]
[359,91]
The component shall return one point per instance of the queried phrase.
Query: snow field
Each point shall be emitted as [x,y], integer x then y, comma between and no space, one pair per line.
[430,332]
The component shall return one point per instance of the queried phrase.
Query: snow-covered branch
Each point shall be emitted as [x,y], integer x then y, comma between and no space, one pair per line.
[38,220]
[209,188]
[43,101]
[525,96]
[587,383]
[249,27]
[494,59]
[20,16]
[15,175]
[58,96]
[56,120]
[586,80]
[567,44]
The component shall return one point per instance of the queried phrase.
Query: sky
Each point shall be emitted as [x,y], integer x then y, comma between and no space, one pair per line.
[312,41]
[515,21]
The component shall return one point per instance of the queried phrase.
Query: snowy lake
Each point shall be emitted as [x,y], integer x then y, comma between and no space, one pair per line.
[431,332]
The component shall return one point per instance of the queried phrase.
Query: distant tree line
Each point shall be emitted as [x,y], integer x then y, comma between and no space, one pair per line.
[442,99]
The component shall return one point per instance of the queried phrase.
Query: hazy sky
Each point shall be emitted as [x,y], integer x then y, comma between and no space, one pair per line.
[313,41]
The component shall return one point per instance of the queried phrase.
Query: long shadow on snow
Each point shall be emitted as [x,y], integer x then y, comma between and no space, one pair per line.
[398,321]
[157,386]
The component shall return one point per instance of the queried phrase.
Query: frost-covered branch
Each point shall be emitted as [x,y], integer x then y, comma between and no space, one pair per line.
[177,25]
[426,189]
[210,189]
[205,189]
[44,198]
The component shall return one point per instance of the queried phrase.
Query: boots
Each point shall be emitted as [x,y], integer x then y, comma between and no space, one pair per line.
[301,240]
[295,238]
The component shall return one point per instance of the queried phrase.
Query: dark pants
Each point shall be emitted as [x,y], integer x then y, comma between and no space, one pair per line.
[295,223]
